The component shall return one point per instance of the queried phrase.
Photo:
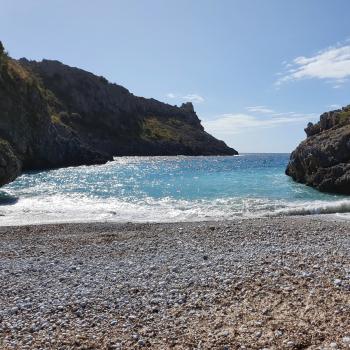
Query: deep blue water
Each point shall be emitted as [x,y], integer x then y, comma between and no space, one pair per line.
[164,189]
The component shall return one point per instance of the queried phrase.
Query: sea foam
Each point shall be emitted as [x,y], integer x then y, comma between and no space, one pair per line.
[164,189]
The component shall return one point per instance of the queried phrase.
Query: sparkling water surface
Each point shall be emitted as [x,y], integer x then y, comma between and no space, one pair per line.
[164,189]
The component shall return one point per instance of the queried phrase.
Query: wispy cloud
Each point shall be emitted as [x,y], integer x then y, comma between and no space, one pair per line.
[335,106]
[195,98]
[332,64]
[236,123]
[269,112]
[260,109]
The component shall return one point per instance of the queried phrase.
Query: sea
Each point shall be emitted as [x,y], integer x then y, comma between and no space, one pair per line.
[165,189]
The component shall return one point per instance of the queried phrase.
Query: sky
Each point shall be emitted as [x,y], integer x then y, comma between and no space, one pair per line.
[257,71]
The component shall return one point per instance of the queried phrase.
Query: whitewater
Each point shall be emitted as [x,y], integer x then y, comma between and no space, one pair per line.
[165,189]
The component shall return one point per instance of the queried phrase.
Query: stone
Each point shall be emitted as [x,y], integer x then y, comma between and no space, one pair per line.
[346,340]
[337,282]
[141,342]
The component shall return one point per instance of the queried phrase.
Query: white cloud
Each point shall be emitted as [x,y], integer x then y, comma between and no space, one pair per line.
[335,106]
[332,64]
[195,98]
[338,86]
[259,109]
[229,124]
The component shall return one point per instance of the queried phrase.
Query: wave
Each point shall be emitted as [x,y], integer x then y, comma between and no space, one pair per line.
[61,208]
[314,208]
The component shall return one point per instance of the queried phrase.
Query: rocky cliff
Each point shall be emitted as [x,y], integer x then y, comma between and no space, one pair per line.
[323,159]
[53,115]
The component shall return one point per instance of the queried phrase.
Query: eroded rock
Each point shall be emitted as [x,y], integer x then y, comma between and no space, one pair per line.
[323,159]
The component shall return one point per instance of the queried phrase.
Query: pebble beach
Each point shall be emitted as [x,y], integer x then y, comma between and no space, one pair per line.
[271,283]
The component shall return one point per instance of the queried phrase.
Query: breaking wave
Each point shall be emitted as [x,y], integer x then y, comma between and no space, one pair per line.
[317,207]
[59,209]
[164,189]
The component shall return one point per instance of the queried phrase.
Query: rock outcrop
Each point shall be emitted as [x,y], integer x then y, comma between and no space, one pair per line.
[53,115]
[323,159]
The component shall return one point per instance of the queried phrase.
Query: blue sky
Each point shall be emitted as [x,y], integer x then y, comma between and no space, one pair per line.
[256,70]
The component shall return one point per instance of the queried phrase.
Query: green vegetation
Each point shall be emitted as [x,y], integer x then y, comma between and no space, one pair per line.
[2,56]
[27,81]
[10,165]
[3,143]
[6,152]
[58,120]
[55,118]
[55,115]
[15,70]
[176,122]
[167,129]
[344,116]
[103,80]
[155,129]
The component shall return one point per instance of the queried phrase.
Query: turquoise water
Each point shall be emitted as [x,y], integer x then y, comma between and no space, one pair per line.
[164,189]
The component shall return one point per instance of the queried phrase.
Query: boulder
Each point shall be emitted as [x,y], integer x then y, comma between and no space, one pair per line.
[323,159]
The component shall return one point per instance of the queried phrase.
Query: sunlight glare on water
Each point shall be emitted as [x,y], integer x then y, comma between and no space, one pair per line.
[164,189]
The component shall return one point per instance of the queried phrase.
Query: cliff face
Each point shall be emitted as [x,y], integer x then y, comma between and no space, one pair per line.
[53,115]
[113,120]
[323,159]
[29,136]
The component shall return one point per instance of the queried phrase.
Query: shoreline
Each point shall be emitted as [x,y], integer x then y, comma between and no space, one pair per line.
[165,190]
[276,283]
[337,217]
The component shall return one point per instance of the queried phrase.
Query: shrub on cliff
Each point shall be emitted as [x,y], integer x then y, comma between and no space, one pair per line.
[3,56]
[2,50]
